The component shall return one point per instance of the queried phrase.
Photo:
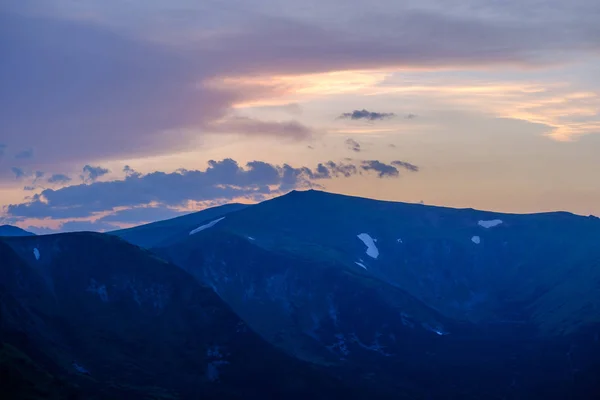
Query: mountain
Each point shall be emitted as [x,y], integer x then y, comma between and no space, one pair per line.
[156,233]
[419,300]
[90,316]
[9,230]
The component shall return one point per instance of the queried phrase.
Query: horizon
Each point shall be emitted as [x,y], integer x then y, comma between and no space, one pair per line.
[183,214]
[116,115]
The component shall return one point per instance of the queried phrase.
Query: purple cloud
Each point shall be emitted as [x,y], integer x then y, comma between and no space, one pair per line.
[366,115]
[119,98]
[406,165]
[250,126]
[59,178]
[382,169]
[222,181]
[25,154]
[353,145]
[91,174]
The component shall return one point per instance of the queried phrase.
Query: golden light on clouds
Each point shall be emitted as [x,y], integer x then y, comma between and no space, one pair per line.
[567,111]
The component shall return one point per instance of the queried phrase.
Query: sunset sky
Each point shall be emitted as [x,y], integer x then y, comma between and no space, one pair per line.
[115,113]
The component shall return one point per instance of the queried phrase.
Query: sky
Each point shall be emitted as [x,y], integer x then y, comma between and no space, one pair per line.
[118,113]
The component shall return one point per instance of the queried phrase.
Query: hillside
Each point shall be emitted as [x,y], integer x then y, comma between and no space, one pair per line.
[161,232]
[467,296]
[90,316]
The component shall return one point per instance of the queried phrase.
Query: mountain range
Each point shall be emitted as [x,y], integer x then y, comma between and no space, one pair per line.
[309,294]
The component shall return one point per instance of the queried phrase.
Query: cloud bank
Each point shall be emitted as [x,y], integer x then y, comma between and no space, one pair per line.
[139,196]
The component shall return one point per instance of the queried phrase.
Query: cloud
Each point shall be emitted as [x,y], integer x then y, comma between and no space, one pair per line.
[223,180]
[130,171]
[2,149]
[406,165]
[91,174]
[19,173]
[366,115]
[382,169]
[29,188]
[142,214]
[410,116]
[148,76]
[254,127]
[353,145]
[74,226]
[59,178]
[25,154]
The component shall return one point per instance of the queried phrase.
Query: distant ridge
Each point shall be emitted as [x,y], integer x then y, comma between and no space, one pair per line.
[9,230]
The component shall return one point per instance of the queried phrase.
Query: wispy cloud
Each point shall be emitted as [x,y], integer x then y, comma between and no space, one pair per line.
[24,154]
[366,115]
[19,173]
[405,165]
[59,178]
[253,127]
[382,169]
[91,174]
[353,145]
[156,84]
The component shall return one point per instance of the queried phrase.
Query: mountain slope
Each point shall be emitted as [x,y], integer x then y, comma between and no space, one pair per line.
[443,256]
[411,297]
[156,233]
[9,230]
[73,303]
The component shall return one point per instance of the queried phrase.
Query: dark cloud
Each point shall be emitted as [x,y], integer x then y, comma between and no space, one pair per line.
[410,116]
[353,145]
[222,181]
[91,174]
[19,173]
[29,188]
[382,169]
[406,165]
[59,178]
[25,154]
[130,171]
[366,115]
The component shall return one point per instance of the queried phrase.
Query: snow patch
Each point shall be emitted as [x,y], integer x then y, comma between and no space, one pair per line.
[490,224]
[360,264]
[212,369]
[100,290]
[36,253]
[437,329]
[203,227]
[476,239]
[372,250]
[80,369]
